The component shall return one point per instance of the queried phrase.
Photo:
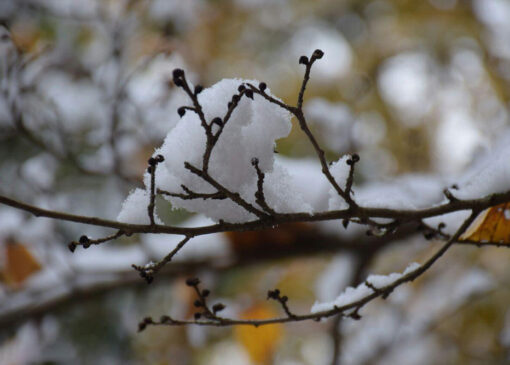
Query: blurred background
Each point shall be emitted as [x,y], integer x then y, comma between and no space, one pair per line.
[418,88]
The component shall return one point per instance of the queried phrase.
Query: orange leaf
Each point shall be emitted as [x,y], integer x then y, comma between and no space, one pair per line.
[19,265]
[259,342]
[492,225]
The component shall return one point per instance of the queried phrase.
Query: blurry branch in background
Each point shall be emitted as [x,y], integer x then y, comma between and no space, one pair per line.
[266,217]
[19,85]
[309,242]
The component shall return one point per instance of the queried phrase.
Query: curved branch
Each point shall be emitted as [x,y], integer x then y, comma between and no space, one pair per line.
[354,306]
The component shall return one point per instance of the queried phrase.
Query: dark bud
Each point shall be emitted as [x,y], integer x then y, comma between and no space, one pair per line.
[284,299]
[273,294]
[197,316]
[84,239]
[205,293]
[164,319]
[428,235]
[355,157]
[241,88]
[441,226]
[249,94]
[254,161]
[177,73]
[303,60]
[349,162]
[198,89]
[318,54]
[229,105]
[197,303]
[152,161]
[149,279]
[345,223]
[218,307]
[178,82]
[192,281]
[262,86]
[217,121]
[149,169]
[71,246]
[455,187]
[143,324]
[159,158]
[235,98]
[181,111]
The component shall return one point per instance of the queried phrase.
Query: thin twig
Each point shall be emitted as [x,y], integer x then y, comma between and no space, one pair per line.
[259,195]
[148,271]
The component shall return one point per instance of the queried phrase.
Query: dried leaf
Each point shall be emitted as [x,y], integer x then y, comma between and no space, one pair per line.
[19,264]
[281,239]
[492,225]
[259,342]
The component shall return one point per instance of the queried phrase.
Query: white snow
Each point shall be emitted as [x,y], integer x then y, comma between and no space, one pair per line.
[489,174]
[306,177]
[134,208]
[340,172]
[335,277]
[352,295]
[380,281]
[250,133]
[411,191]
[107,258]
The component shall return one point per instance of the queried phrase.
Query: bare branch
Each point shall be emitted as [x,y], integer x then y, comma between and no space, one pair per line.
[402,215]
[348,310]
[148,271]
[259,195]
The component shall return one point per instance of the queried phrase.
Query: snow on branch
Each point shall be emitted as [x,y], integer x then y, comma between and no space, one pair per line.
[219,161]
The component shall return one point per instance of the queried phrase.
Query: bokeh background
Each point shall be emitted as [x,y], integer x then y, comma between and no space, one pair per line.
[413,87]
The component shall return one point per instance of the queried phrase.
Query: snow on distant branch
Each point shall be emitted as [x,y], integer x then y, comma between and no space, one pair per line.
[352,295]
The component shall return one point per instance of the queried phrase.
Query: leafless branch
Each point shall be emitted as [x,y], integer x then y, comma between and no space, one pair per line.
[348,310]
[264,215]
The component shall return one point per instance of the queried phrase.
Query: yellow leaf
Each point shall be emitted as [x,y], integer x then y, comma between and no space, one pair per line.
[19,264]
[492,225]
[259,342]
